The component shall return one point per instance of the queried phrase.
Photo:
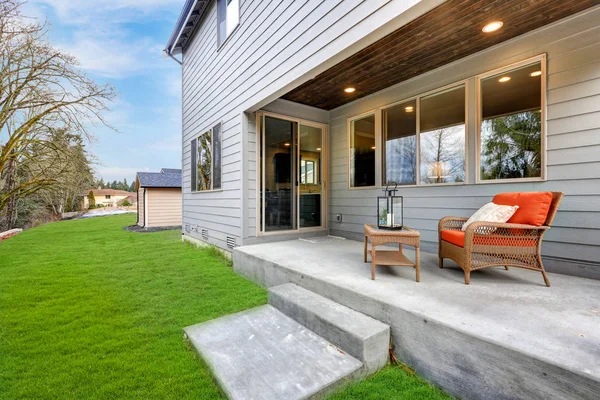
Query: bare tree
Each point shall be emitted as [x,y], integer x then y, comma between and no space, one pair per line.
[443,155]
[41,89]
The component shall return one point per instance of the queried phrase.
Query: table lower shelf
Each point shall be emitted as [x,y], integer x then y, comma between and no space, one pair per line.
[391,258]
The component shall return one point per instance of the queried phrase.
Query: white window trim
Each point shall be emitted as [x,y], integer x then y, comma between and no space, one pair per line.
[542,60]
[377,132]
[212,161]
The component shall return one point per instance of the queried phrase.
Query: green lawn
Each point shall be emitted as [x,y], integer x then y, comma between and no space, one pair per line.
[88,310]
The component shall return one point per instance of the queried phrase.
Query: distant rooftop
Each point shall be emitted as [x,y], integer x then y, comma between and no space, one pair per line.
[166,178]
[170,171]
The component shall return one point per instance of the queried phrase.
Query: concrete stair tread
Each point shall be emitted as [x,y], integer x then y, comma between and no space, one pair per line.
[263,354]
[361,336]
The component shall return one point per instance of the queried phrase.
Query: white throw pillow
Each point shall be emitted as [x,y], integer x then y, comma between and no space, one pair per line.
[492,213]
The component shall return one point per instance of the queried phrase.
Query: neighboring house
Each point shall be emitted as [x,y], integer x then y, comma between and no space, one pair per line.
[132,199]
[106,197]
[296,114]
[159,198]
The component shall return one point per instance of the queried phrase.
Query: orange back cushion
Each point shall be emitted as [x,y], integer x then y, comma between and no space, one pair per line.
[533,206]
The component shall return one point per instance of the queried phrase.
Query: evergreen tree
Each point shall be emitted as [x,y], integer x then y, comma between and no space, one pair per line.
[101,183]
[125,186]
[92,199]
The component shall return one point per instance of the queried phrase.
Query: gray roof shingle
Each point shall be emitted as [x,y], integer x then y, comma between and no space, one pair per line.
[170,171]
[167,178]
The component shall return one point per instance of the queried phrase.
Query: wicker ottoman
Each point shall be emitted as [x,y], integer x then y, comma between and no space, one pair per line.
[404,236]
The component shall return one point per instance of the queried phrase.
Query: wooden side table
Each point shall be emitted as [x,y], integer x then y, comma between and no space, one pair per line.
[404,236]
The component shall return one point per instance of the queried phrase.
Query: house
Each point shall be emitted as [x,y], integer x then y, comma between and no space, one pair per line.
[131,199]
[159,198]
[106,197]
[296,114]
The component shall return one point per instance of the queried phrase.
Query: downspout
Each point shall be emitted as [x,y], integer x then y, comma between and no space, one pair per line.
[167,53]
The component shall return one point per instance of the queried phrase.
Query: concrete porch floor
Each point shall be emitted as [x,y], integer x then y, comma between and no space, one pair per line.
[506,335]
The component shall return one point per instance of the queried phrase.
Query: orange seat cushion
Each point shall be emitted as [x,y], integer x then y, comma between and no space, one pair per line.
[533,206]
[457,238]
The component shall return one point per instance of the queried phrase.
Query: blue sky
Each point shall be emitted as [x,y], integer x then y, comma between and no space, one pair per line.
[120,42]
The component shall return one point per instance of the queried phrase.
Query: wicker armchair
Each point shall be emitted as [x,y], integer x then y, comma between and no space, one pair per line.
[492,244]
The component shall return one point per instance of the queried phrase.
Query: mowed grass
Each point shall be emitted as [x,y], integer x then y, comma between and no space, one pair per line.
[91,311]
[390,383]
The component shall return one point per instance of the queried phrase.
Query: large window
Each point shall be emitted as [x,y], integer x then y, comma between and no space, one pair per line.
[228,14]
[206,160]
[362,152]
[432,128]
[511,124]
[442,137]
[400,139]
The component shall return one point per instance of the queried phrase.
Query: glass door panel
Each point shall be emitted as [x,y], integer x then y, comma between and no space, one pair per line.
[279,175]
[310,176]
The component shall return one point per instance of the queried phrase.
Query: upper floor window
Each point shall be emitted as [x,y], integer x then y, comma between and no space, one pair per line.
[228,18]
[107,197]
[510,141]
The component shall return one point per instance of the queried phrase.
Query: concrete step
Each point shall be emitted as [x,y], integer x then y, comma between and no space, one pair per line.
[263,354]
[361,336]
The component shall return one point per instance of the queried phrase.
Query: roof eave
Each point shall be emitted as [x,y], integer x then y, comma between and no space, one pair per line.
[192,12]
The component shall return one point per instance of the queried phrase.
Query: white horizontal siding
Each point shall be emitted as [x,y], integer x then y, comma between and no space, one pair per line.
[573,143]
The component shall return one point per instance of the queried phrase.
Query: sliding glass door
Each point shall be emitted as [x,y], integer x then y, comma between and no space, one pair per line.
[291,174]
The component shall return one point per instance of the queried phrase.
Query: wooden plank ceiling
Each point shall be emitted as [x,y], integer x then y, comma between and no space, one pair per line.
[445,34]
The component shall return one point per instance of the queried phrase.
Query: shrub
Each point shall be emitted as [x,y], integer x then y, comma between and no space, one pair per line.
[125,203]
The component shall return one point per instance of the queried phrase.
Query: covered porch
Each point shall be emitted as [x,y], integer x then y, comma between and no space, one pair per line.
[504,336]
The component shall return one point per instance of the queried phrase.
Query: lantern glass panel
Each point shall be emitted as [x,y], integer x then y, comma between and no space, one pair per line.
[397,214]
[383,207]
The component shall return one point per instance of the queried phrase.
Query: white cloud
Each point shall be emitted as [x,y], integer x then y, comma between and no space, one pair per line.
[172,83]
[167,143]
[101,39]
[77,11]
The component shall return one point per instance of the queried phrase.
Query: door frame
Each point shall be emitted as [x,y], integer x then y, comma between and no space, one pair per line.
[260,168]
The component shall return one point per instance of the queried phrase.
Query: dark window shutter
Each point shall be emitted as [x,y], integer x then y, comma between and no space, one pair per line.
[216,170]
[194,165]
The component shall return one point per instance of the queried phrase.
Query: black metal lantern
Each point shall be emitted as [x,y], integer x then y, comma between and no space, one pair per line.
[390,213]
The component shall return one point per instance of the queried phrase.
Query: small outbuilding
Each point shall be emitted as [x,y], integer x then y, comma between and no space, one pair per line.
[159,198]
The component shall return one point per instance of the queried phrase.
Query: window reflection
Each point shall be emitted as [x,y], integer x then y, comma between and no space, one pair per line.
[442,137]
[511,124]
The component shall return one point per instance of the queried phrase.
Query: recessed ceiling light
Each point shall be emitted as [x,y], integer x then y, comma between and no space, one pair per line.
[409,109]
[504,79]
[492,26]
[286,144]
[318,149]
[349,90]
[373,148]
[536,73]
